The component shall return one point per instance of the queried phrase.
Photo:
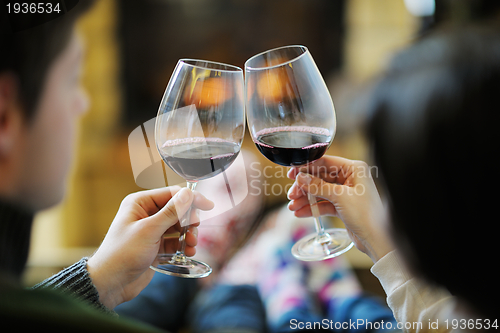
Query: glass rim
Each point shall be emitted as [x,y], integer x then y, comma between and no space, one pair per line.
[230,69]
[304,48]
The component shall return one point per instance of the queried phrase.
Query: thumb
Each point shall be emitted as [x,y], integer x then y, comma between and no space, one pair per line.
[170,214]
[319,188]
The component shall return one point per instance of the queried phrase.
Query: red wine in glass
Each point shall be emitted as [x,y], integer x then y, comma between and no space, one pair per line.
[293,145]
[198,133]
[292,121]
[195,159]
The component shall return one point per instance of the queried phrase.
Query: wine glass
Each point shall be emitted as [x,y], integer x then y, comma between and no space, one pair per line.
[291,119]
[199,130]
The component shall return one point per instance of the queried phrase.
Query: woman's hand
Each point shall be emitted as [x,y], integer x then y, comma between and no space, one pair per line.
[120,267]
[349,193]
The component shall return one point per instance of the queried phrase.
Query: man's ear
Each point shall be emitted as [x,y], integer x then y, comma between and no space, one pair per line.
[10,113]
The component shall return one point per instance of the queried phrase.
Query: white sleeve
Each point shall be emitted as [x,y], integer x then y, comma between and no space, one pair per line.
[415,304]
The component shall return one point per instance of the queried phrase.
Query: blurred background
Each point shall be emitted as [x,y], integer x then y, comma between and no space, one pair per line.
[133,46]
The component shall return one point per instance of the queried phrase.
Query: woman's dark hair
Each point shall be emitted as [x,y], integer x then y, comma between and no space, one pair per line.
[435,129]
[29,53]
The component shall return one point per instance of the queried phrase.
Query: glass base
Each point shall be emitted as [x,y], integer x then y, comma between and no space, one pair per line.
[190,268]
[313,247]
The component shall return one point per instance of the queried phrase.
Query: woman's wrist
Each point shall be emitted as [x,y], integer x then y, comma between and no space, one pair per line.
[377,245]
[376,252]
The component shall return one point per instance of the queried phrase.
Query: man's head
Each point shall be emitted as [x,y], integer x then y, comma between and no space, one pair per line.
[40,99]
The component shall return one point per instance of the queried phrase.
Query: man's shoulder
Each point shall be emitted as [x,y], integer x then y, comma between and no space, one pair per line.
[30,309]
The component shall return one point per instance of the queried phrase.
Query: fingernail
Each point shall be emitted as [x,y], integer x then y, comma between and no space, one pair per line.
[184,195]
[292,188]
[304,178]
[289,191]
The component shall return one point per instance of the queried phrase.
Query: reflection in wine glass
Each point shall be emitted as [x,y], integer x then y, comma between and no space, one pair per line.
[199,131]
[292,121]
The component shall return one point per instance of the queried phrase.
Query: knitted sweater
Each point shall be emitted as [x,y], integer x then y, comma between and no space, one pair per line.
[75,281]
[66,302]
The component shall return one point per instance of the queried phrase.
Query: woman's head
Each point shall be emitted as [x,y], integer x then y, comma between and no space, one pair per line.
[435,135]
[40,98]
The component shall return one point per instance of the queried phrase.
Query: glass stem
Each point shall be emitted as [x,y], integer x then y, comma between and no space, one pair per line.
[323,237]
[179,256]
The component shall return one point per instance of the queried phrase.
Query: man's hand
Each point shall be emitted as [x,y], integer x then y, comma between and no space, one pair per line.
[120,267]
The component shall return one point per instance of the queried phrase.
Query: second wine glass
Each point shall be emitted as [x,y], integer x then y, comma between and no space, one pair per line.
[199,131]
[292,121]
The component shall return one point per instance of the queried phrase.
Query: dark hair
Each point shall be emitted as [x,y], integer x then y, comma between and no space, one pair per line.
[435,132]
[29,53]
